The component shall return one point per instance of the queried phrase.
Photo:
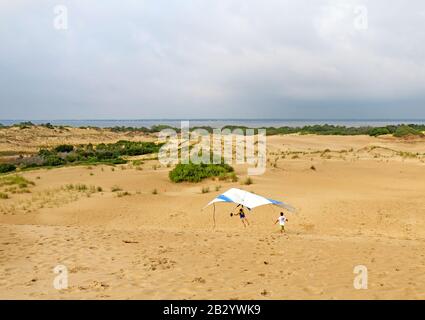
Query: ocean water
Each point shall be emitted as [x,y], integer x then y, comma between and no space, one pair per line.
[218,123]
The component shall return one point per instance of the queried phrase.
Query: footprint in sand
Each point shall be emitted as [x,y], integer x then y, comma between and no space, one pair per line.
[78,268]
[199,280]
[265,293]
[160,263]
[94,285]
[31,282]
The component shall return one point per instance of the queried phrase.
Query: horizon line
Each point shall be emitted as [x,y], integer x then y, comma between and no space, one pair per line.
[226,119]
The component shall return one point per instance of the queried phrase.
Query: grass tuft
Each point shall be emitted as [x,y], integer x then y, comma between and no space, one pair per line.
[248,181]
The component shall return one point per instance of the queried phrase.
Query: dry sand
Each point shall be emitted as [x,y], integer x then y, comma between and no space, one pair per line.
[363,204]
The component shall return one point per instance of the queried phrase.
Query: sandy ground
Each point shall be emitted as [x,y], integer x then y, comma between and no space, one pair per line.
[363,204]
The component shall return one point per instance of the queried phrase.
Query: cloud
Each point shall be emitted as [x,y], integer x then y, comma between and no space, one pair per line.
[192,59]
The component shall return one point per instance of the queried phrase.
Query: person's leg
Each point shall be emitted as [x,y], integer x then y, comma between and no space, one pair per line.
[243,222]
[246,220]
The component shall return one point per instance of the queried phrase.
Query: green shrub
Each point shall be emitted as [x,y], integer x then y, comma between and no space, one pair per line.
[53,160]
[7,167]
[374,132]
[404,130]
[47,125]
[64,148]
[89,154]
[196,172]
[127,148]
[24,125]
[324,129]
[71,158]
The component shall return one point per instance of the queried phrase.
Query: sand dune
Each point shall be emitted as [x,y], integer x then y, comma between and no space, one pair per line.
[361,204]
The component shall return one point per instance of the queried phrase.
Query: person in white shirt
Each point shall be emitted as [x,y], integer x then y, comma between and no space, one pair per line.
[282,219]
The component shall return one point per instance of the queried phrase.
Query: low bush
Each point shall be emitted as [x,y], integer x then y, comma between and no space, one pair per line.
[64,148]
[404,130]
[379,131]
[89,154]
[7,167]
[197,172]
[205,190]
[248,181]
[53,160]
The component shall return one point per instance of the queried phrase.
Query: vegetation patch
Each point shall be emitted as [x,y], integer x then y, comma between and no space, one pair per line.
[4,195]
[324,129]
[403,131]
[205,190]
[248,181]
[123,194]
[7,167]
[15,180]
[197,172]
[229,176]
[88,154]
[14,184]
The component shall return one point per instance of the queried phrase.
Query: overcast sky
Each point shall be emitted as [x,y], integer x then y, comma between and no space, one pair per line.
[212,59]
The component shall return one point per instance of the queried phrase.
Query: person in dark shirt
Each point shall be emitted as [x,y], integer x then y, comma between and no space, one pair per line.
[242,216]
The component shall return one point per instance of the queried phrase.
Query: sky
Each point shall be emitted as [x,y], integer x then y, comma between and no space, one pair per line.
[177,59]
